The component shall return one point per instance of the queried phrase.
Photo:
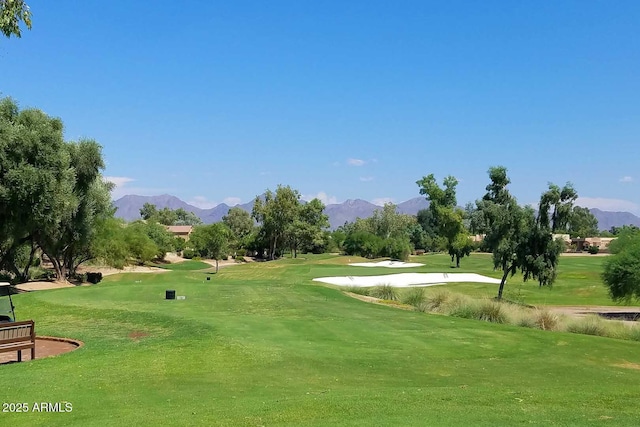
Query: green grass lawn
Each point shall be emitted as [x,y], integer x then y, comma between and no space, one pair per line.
[261,344]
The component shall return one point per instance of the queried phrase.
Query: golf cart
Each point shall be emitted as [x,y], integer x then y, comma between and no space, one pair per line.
[6,304]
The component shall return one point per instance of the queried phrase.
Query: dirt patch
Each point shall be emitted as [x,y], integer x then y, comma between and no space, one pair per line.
[43,285]
[173,258]
[221,264]
[45,347]
[108,271]
[627,365]
[136,335]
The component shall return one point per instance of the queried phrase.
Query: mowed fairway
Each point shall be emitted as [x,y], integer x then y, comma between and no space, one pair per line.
[261,344]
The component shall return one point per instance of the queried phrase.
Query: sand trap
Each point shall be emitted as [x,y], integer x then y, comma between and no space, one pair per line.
[388,264]
[404,280]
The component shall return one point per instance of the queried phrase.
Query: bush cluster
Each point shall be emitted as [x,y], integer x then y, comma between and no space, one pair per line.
[491,310]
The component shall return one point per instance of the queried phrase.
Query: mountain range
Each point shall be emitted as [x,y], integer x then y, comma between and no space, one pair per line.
[128,208]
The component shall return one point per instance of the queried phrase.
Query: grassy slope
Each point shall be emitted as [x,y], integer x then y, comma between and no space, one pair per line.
[260,344]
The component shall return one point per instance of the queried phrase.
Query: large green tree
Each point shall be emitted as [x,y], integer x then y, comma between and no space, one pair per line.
[275,214]
[69,243]
[621,273]
[448,217]
[12,13]
[240,225]
[37,179]
[582,223]
[52,194]
[518,239]
[211,241]
[307,231]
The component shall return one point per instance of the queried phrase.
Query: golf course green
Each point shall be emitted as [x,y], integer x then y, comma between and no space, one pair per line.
[261,344]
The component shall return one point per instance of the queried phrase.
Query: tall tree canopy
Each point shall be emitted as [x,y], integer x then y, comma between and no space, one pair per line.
[447,216]
[12,13]
[621,273]
[211,241]
[51,192]
[582,223]
[240,225]
[517,238]
[275,215]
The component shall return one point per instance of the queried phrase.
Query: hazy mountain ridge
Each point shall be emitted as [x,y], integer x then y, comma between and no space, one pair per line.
[128,208]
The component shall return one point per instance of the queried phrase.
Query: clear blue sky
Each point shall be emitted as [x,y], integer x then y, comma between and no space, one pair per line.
[214,101]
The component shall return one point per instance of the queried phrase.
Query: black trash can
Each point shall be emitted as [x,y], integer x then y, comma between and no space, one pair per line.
[170,294]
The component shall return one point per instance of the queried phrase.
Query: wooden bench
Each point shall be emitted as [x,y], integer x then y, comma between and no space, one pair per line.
[18,336]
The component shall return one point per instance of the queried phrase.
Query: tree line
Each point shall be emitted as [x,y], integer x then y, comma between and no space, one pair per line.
[55,204]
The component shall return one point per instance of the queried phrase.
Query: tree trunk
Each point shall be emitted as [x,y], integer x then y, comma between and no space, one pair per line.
[457,261]
[216,266]
[504,280]
[272,255]
[25,273]
[59,269]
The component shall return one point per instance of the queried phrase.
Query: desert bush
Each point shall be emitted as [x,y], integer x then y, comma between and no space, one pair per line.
[492,311]
[525,320]
[546,320]
[414,297]
[437,300]
[358,290]
[461,306]
[188,253]
[634,333]
[593,250]
[589,325]
[80,277]
[385,291]
[39,273]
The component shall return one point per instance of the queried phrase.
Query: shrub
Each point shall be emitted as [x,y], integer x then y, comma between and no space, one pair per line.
[593,250]
[415,297]
[80,277]
[385,291]
[525,320]
[437,300]
[492,311]
[589,325]
[39,273]
[188,253]
[94,277]
[546,320]
[358,290]
[461,306]
[634,333]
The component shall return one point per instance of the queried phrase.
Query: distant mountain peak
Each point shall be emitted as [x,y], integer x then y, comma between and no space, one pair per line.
[128,208]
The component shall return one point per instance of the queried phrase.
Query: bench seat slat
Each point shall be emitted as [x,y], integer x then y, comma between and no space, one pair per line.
[14,347]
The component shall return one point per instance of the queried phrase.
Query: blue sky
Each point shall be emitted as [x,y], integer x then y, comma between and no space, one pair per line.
[217,101]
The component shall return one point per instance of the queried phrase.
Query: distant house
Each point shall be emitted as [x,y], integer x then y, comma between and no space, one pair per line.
[183,231]
[601,243]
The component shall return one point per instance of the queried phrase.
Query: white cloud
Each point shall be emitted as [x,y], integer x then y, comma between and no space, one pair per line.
[122,188]
[323,197]
[119,181]
[355,162]
[604,204]
[380,201]
[202,202]
[366,178]
[232,201]
[626,179]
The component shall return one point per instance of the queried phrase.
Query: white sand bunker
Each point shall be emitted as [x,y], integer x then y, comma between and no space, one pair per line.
[405,280]
[389,264]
